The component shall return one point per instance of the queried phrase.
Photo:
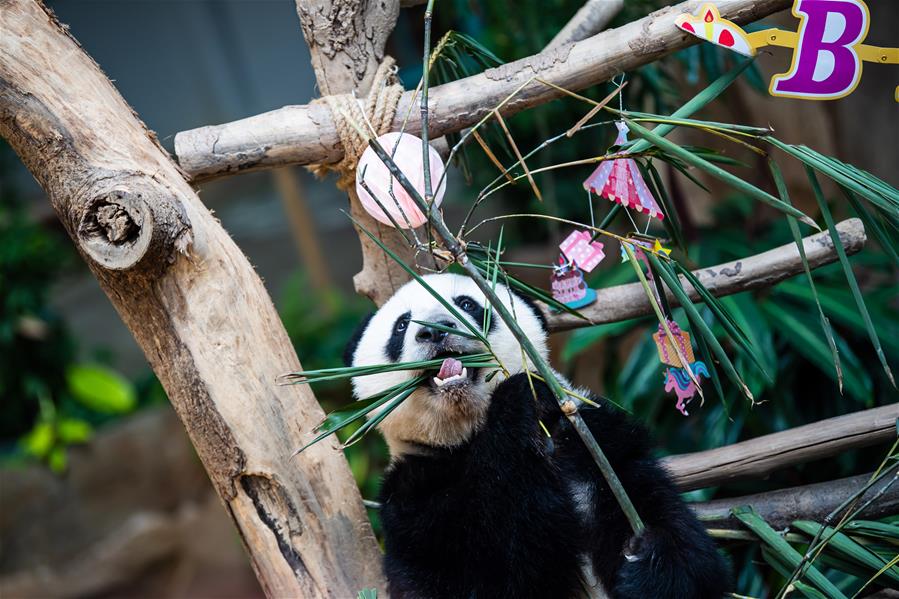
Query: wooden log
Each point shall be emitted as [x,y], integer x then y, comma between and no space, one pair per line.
[307,135]
[193,303]
[809,502]
[758,457]
[754,272]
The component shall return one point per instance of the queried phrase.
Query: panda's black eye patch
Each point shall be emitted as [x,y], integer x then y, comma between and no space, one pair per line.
[397,337]
[473,308]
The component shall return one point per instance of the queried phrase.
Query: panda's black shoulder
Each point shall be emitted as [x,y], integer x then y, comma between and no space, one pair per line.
[353,343]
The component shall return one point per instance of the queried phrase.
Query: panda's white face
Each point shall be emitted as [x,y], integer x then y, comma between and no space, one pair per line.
[451,404]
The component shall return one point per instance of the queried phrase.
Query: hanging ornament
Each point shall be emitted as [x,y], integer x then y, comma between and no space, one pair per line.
[377,178]
[568,285]
[677,378]
[582,250]
[620,181]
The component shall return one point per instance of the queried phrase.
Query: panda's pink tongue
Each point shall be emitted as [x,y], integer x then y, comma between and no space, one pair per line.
[450,368]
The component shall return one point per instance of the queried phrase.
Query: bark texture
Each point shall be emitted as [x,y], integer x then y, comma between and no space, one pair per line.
[346,40]
[809,502]
[306,134]
[194,305]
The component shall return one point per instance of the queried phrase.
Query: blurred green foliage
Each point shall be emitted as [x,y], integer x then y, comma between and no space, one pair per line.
[49,400]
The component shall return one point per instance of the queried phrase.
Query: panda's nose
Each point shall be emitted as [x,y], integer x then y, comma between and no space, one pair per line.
[428,334]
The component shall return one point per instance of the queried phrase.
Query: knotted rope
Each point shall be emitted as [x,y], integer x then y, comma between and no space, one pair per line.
[357,120]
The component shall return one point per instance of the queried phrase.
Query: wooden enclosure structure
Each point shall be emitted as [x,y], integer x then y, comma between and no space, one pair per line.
[202,316]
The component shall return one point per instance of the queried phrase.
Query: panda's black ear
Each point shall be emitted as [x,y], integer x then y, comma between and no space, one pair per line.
[353,343]
[534,308]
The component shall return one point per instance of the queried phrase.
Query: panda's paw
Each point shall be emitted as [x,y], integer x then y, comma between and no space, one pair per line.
[656,565]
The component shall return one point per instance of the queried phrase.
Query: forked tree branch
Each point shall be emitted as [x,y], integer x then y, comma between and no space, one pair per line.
[590,19]
[307,134]
[194,305]
[760,456]
[621,302]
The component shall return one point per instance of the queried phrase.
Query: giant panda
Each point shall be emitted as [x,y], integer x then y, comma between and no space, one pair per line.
[490,493]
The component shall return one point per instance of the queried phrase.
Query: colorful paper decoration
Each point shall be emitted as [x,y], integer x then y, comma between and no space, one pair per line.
[708,25]
[569,287]
[828,53]
[579,248]
[666,346]
[677,380]
[377,178]
[620,181]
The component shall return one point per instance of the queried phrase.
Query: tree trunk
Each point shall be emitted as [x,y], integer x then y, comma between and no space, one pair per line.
[194,305]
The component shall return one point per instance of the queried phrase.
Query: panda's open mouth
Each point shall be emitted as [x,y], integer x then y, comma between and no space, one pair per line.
[451,374]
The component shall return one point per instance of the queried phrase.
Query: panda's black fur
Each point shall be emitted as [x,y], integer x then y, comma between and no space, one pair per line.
[510,512]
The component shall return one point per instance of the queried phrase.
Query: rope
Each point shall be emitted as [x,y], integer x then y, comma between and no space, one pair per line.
[358,120]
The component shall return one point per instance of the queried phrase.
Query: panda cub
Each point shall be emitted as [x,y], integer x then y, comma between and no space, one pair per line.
[478,502]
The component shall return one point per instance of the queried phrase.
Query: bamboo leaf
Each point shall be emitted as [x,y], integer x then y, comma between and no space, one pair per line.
[784,551]
[802,338]
[847,547]
[717,172]
[872,223]
[696,103]
[797,238]
[698,323]
[847,269]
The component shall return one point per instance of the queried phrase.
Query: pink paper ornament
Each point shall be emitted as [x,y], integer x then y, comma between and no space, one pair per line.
[585,253]
[408,157]
[620,181]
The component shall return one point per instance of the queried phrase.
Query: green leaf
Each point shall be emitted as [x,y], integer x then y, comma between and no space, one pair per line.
[101,389]
[797,239]
[802,338]
[696,103]
[367,594]
[785,553]
[39,440]
[847,269]
[697,322]
[74,430]
[717,172]
[872,223]
[847,547]
[58,459]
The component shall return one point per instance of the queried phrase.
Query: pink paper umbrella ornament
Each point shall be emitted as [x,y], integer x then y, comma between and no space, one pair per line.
[584,252]
[377,178]
[620,181]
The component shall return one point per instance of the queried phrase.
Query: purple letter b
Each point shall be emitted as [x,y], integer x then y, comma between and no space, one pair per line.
[825,65]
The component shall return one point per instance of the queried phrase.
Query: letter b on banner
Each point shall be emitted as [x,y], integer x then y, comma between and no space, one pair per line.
[825,63]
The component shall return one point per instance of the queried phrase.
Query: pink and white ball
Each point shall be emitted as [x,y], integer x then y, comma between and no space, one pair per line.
[408,157]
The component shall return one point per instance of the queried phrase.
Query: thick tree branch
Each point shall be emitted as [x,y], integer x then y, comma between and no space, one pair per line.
[754,272]
[306,134]
[346,41]
[193,303]
[809,502]
[590,19]
[757,457]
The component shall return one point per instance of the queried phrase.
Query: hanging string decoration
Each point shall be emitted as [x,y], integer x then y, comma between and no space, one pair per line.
[676,377]
[620,181]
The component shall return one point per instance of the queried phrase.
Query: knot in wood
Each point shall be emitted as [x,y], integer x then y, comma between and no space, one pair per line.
[569,408]
[129,220]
